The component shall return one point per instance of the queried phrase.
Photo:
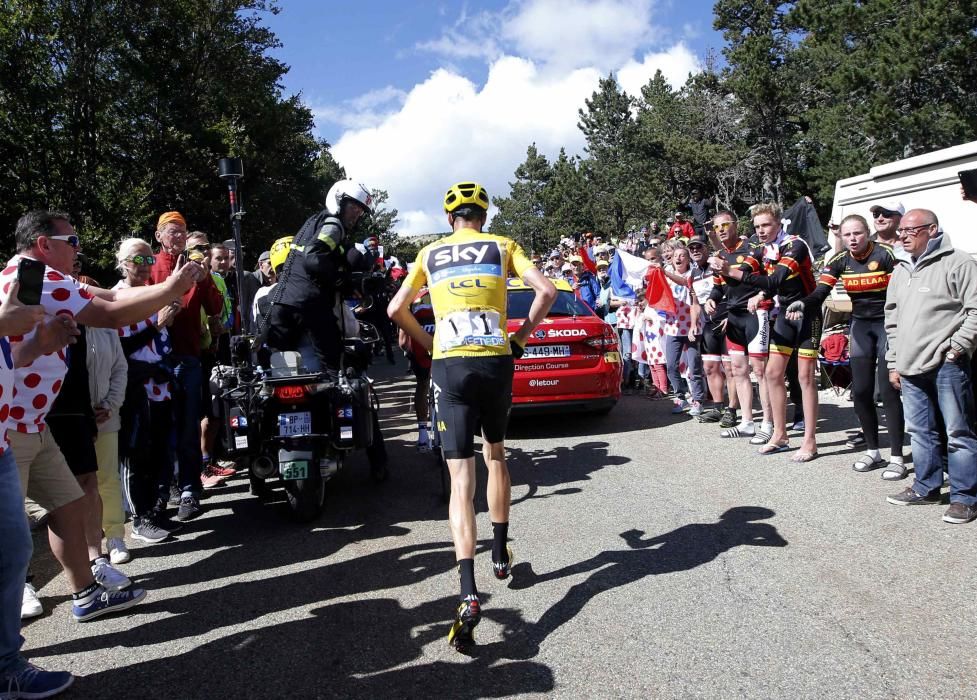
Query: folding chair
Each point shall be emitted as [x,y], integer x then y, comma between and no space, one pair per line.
[833,358]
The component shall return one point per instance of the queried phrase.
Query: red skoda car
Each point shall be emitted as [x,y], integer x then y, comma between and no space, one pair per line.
[572,360]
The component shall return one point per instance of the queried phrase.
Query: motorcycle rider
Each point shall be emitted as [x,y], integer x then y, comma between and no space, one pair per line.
[312,279]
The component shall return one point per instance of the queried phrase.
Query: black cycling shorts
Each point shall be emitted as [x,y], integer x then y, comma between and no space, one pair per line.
[75,437]
[713,343]
[748,333]
[469,391]
[803,335]
[422,373]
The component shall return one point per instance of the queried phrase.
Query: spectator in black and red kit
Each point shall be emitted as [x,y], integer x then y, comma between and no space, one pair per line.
[171,232]
[787,276]
[420,364]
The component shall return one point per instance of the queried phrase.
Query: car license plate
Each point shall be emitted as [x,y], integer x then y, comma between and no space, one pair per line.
[547,351]
[294,470]
[290,424]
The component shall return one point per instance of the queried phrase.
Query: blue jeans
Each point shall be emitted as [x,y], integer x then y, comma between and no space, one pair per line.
[675,345]
[187,388]
[15,554]
[949,391]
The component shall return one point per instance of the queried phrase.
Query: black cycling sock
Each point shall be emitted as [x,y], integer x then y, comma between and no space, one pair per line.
[501,536]
[466,569]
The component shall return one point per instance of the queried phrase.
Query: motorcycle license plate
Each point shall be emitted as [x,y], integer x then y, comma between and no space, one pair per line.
[294,470]
[290,424]
[547,351]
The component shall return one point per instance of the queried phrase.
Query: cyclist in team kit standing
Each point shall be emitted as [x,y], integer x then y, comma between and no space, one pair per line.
[471,371]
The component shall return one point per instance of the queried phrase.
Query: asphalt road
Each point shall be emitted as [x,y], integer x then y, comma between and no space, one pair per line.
[653,560]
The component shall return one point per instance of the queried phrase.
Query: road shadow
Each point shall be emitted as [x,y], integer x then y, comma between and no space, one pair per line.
[346,650]
[684,548]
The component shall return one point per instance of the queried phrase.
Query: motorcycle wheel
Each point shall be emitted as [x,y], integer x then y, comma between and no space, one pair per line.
[306,496]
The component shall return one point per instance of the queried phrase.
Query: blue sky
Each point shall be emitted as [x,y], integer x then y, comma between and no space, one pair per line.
[410,107]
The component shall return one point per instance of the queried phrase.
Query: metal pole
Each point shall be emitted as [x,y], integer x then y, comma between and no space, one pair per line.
[232,170]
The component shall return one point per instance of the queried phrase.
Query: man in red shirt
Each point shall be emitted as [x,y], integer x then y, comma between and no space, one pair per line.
[185,332]
[681,228]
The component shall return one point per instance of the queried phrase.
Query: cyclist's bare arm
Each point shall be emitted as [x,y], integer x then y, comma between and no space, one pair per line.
[399,312]
[545,296]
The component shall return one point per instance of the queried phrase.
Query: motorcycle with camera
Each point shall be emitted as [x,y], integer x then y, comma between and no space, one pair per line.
[300,427]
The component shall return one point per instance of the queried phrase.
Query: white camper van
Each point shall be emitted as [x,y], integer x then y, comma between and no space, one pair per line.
[928,181]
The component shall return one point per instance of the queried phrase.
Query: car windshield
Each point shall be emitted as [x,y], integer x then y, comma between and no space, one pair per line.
[566,304]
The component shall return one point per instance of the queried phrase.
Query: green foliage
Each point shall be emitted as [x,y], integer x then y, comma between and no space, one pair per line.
[812,91]
[117,111]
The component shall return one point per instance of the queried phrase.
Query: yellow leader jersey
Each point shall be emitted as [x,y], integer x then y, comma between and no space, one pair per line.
[466,274]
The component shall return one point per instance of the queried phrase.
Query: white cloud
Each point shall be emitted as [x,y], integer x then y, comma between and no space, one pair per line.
[368,109]
[567,34]
[448,129]
[675,64]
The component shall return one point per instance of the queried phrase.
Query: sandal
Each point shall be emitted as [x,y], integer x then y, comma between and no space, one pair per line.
[762,437]
[802,457]
[772,449]
[735,432]
[866,464]
[895,471]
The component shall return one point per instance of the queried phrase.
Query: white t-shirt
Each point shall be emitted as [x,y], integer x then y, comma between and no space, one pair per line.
[38,384]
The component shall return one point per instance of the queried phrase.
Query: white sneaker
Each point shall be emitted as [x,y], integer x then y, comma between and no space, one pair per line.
[110,578]
[118,552]
[31,607]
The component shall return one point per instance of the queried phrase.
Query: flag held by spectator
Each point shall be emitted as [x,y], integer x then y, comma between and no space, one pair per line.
[627,274]
[588,262]
[659,294]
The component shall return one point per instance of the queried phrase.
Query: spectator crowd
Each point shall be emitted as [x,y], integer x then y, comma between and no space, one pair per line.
[109,412]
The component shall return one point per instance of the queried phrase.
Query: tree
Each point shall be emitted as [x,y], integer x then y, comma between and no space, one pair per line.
[521,215]
[117,111]
[763,78]
[614,171]
[567,201]
[887,80]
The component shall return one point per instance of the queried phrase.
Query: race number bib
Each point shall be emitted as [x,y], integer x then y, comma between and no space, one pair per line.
[470,328]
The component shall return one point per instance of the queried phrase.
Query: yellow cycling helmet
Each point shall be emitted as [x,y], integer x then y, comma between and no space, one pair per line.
[465,194]
[279,251]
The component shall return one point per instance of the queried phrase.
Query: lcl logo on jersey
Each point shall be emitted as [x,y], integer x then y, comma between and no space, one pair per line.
[482,258]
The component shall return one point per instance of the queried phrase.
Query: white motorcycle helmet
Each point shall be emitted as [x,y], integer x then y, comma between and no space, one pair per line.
[347,189]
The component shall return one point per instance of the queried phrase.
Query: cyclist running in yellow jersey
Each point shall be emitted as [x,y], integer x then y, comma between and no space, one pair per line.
[471,371]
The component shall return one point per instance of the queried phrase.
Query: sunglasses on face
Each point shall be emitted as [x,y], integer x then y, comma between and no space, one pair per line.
[72,240]
[884,214]
[722,227]
[142,259]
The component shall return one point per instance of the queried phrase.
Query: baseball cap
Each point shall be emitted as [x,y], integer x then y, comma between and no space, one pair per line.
[670,220]
[679,213]
[265,256]
[888,205]
[554,254]
[698,239]
[576,259]
[602,264]
[567,267]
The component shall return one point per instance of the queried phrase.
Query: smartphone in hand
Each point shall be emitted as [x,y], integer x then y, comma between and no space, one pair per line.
[30,281]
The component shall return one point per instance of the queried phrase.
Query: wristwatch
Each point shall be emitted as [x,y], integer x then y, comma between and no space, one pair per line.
[952,355]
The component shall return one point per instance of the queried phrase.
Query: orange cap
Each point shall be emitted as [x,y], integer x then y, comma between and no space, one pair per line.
[171,217]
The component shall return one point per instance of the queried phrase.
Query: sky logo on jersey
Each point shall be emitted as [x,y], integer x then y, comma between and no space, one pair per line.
[465,260]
